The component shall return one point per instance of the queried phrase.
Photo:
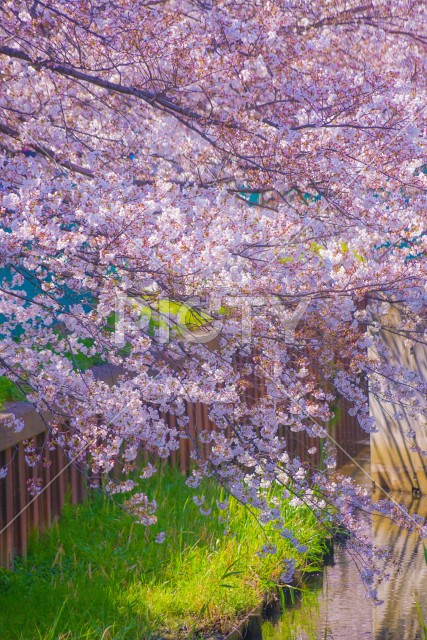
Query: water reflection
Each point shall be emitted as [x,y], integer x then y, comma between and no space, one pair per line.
[299,621]
[335,606]
[398,617]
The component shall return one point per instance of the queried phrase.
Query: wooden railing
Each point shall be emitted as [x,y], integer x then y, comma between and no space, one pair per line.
[18,507]
[16,503]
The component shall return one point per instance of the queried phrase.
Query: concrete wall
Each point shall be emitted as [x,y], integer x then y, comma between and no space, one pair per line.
[393,465]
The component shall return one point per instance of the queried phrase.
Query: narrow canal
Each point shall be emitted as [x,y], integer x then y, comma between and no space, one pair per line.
[333,605]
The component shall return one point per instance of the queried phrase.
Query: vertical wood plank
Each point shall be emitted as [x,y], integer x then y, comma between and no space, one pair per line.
[75,485]
[47,493]
[3,498]
[172,425]
[9,511]
[61,480]
[23,495]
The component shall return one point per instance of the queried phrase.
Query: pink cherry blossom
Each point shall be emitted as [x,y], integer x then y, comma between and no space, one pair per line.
[261,165]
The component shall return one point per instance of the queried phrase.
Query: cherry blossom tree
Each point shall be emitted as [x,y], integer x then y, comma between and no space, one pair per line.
[203,194]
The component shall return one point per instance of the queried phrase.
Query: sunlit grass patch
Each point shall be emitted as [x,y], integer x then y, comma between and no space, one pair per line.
[97,574]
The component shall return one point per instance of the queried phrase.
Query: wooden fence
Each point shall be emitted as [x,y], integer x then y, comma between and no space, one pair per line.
[15,498]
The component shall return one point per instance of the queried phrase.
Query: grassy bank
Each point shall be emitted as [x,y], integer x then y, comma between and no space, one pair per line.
[96,574]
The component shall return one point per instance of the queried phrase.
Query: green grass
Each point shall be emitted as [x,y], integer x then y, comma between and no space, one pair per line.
[423,625]
[97,574]
[9,391]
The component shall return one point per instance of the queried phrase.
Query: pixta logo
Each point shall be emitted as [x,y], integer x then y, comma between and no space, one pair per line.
[202,320]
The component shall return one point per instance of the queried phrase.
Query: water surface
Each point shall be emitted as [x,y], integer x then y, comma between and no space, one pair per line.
[334,605]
